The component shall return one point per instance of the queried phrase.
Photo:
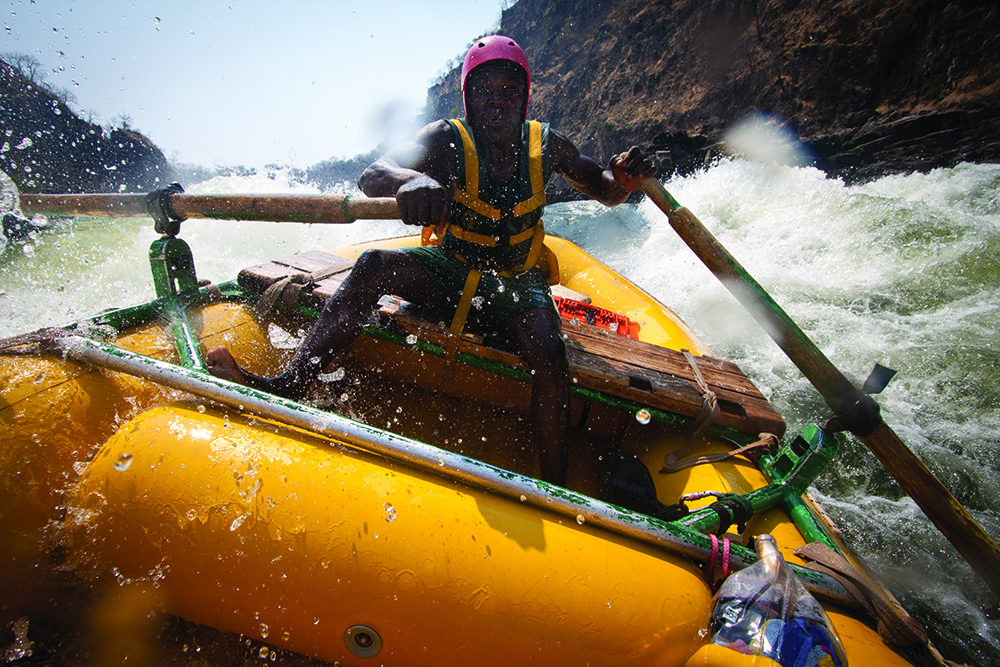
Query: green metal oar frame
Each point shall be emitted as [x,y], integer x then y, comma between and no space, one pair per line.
[672,536]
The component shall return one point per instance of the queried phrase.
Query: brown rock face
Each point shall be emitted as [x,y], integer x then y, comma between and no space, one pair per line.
[45,147]
[874,86]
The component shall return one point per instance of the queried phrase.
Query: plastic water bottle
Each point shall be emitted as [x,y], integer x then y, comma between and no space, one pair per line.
[765,610]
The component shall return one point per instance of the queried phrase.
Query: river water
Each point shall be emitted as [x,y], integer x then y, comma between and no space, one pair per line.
[903,271]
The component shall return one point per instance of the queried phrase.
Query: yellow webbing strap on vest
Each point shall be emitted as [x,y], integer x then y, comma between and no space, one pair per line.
[458,324]
[486,239]
[534,170]
[536,247]
[469,196]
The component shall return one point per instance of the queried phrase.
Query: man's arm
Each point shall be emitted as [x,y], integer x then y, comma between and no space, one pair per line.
[420,174]
[609,186]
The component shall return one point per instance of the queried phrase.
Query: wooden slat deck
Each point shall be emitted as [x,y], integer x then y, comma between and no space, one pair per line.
[599,359]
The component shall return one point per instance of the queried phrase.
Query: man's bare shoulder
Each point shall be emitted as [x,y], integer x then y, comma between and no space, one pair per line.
[432,144]
[435,130]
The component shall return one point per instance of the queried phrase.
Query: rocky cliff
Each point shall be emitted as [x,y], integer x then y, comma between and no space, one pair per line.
[873,86]
[45,147]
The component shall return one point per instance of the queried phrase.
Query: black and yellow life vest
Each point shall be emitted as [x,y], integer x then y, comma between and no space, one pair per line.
[498,226]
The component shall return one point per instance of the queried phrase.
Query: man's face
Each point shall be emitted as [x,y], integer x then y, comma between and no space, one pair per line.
[495,96]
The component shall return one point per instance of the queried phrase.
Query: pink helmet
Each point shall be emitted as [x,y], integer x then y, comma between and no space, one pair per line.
[495,47]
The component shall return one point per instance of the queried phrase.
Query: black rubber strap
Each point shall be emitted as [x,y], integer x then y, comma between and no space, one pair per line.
[730,511]
[860,419]
[158,207]
[864,416]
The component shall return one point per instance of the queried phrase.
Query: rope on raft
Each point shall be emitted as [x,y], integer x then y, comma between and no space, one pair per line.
[709,401]
[672,462]
[290,287]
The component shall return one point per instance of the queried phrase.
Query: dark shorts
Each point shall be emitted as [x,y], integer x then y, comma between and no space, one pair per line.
[498,298]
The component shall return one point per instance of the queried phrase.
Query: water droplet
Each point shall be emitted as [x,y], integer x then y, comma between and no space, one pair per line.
[501,288]
[285,636]
[411,339]
[390,512]
[441,462]
[123,462]
[39,378]
[523,498]
[201,409]
[314,361]
[477,301]
[580,519]
[264,630]
[281,339]
[28,250]
[643,416]
[335,376]
[548,499]
[515,297]
[264,651]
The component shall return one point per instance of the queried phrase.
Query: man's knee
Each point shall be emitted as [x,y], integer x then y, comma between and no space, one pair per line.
[370,263]
[546,351]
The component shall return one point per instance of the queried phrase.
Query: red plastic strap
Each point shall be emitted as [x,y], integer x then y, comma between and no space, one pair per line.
[725,557]
[710,570]
[726,548]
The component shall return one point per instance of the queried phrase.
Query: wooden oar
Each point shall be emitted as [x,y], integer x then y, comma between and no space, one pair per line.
[313,209]
[940,506]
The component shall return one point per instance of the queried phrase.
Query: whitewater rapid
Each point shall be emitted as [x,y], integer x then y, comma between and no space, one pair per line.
[903,271]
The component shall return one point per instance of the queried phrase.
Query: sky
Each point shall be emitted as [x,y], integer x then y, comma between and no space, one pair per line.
[247,81]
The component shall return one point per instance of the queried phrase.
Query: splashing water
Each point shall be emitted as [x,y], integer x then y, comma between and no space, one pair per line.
[903,271]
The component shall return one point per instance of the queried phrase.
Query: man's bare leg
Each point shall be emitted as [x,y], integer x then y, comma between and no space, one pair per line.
[377,272]
[538,334]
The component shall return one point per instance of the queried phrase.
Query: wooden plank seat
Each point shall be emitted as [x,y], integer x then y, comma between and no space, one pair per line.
[599,359]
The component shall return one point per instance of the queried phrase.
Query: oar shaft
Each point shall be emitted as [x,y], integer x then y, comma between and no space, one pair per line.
[312,209]
[933,498]
[91,206]
[839,392]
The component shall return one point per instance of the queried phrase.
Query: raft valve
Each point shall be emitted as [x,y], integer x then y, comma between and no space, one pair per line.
[362,641]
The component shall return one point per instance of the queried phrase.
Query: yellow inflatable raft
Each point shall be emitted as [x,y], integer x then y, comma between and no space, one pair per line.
[395,519]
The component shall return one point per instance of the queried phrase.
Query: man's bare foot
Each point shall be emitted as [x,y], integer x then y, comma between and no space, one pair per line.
[221,363]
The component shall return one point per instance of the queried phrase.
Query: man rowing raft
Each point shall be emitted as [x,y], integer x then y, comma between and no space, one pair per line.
[480,183]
